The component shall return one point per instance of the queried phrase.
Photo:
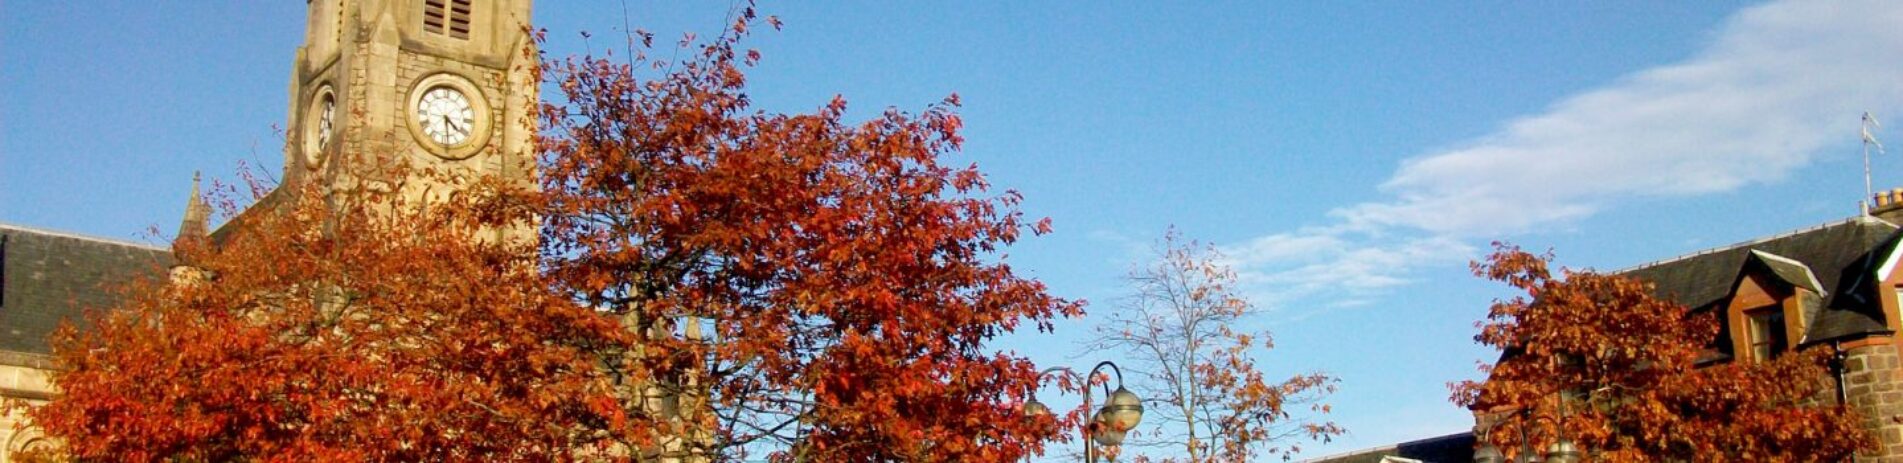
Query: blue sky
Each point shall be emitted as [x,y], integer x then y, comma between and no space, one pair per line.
[1350,156]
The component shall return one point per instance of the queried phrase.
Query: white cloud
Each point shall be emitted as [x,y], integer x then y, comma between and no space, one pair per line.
[1347,266]
[1778,83]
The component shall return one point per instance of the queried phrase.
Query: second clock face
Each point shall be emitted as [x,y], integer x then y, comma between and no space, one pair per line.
[446,116]
[320,126]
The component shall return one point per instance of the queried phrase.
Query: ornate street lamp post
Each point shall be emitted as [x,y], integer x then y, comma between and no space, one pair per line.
[1121,412]
[1562,450]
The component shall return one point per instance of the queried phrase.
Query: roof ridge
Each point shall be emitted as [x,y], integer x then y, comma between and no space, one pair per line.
[1854,220]
[1393,446]
[81,236]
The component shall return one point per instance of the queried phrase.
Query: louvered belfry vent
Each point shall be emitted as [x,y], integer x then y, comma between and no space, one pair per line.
[447,17]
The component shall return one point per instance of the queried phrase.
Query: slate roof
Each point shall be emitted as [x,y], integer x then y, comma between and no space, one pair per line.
[1841,257]
[1451,448]
[47,277]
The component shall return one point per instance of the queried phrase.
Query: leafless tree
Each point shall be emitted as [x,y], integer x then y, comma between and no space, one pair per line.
[1181,326]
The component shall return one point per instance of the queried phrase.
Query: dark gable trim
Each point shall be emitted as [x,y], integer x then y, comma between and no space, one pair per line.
[24,359]
[1789,271]
[23,394]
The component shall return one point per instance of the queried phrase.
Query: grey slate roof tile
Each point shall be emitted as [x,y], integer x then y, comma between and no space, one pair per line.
[1843,257]
[49,277]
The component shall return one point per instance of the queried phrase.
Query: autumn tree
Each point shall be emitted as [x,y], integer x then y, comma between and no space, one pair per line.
[803,287]
[1596,361]
[1183,323]
[343,328]
[710,282]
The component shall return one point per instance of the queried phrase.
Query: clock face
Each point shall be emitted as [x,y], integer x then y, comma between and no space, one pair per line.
[445,116]
[325,117]
[448,116]
[320,126]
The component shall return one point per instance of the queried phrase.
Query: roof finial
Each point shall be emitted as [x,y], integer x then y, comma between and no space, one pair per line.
[197,215]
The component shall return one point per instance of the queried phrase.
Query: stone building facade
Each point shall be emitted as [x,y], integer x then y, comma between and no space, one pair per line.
[1833,287]
[46,278]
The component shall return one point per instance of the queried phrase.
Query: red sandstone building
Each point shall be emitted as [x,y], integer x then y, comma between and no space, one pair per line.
[1833,286]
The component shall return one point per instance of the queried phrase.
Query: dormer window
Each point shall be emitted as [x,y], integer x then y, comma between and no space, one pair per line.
[1766,331]
[1771,305]
[447,17]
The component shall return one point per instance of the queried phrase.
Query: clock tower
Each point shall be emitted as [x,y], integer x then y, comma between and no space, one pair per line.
[432,84]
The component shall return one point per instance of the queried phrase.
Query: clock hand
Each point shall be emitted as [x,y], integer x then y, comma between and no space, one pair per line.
[448,127]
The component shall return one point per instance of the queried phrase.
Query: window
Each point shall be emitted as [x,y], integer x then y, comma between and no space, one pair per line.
[447,17]
[1767,332]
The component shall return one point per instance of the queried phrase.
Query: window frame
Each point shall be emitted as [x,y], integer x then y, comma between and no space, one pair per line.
[1765,331]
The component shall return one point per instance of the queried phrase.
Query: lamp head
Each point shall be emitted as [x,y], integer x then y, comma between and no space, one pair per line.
[1123,411]
[1034,408]
[1104,431]
[1489,454]
[1562,452]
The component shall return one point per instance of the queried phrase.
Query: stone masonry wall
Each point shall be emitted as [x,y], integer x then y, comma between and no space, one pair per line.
[1873,384]
[22,377]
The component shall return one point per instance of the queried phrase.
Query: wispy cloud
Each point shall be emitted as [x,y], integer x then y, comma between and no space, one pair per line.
[1777,84]
[1350,267]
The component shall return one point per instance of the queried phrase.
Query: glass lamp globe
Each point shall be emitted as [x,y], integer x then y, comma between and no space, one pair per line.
[1035,408]
[1105,432]
[1123,411]
[1489,454]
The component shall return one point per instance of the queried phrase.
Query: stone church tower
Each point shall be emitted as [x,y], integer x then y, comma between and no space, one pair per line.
[432,84]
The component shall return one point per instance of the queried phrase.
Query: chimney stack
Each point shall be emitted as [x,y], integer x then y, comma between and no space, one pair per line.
[1888,205]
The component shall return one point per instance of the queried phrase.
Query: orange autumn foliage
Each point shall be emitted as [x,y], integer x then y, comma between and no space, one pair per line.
[850,279]
[847,275]
[706,281]
[1596,360]
[324,331]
